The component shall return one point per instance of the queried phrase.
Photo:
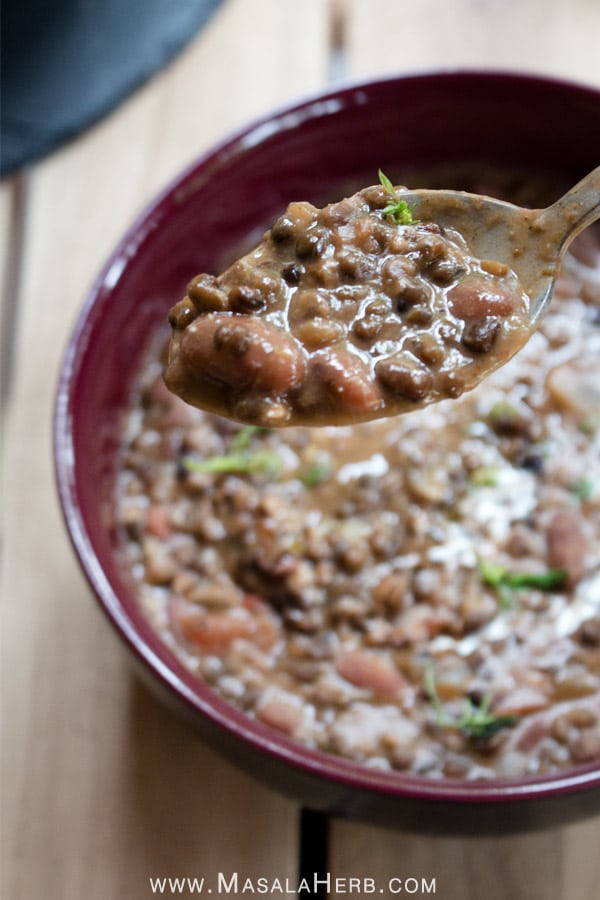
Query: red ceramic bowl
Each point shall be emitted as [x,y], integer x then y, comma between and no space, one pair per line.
[315,150]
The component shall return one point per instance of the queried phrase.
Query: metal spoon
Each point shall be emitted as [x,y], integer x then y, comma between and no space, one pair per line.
[530,241]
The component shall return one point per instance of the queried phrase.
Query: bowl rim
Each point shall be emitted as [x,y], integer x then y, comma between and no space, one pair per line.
[131,625]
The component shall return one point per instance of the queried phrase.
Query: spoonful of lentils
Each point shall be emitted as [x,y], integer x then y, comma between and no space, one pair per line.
[374,305]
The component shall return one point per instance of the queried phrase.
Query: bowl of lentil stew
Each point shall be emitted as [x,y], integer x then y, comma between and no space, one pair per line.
[397,621]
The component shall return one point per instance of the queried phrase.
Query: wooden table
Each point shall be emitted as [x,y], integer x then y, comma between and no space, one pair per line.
[103,788]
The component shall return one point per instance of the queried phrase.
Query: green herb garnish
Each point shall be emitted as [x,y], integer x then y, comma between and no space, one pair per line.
[506,582]
[317,473]
[239,459]
[583,488]
[242,438]
[494,575]
[398,208]
[476,722]
[261,461]
[485,476]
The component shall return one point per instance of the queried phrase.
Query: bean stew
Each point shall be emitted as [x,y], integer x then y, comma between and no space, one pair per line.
[344,314]
[419,594]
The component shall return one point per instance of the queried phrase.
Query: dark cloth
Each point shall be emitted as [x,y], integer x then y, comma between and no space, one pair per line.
[66,63]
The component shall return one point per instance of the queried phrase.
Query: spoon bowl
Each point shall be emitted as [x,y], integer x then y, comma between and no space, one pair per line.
[269,342]
[531,242]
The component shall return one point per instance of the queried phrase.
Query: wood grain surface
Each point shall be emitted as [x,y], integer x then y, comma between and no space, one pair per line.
[102,788]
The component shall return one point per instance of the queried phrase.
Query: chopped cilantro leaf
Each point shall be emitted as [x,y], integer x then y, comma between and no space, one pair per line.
[476,722]
[505,582]
[239,459]
[583,488]
[485,476]
[260,461]
[317,473]
[242,438]
[398,209]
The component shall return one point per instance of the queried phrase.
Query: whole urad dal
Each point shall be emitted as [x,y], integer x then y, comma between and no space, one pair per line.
[416,593]
[344,314]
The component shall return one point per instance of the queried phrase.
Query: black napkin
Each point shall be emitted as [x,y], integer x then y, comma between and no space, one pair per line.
[65,63]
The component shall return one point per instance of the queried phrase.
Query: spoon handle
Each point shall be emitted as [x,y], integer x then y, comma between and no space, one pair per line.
[575,210]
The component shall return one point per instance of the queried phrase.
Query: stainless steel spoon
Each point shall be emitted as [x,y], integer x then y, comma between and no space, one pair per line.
[530,241]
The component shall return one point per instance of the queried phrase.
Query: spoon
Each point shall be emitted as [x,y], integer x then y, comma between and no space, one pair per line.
[300,361]
[531,242]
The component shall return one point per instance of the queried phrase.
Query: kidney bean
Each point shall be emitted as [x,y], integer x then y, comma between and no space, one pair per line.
[242,351]
[215,632]
[566,543]
[158,522]
[476,298]
[371,672]
[282,711]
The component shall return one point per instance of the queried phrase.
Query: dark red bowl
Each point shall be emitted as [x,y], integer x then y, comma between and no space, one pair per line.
[315,150]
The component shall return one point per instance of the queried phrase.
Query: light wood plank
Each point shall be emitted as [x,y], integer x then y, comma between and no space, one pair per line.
[559,864]
[102,788]
[581,861]
[462,869]
[554,37]
[12,216]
